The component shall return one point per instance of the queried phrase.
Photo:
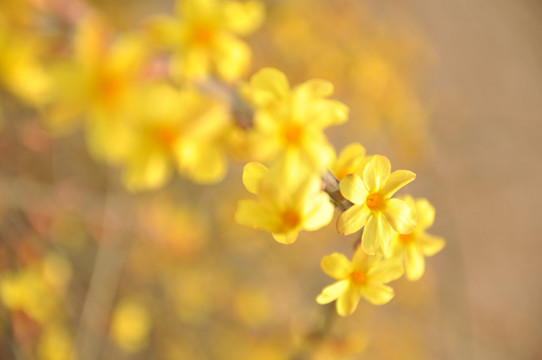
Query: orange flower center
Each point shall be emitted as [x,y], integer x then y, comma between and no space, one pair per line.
[375,201]
[110,87]
[405,238]
[357,277]
[165,136]
[290,218]
[203,35]
[292,133]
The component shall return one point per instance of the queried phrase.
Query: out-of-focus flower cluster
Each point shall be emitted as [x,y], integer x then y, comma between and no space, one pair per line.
[105,116]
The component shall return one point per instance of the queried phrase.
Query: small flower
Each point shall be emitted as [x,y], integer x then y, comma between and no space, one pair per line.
[373,206]
[99,86]
[181,129]
[289,123]
[412,247]
[364,276]
[283,208]
[351,160]
[202,37]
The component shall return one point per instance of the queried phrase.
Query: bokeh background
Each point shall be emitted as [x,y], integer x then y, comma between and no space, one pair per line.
[451,90]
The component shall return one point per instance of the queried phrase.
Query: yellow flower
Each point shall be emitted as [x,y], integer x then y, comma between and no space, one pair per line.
[283,208]
[412,247]
[289,123]
[202,37]
[20,71]
[179,129]
[100,84]
[351,160]
[131,324]
[364,276]
[373,206]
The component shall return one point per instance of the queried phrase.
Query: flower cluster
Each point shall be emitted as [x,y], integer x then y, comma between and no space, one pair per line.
[173,97]
[288,133]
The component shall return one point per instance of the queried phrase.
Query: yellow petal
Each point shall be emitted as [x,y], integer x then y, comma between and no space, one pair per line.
[231,58]
[386,270]
[426,214]
[376,173]
[352,188]
[254,214]
[336,265]
[286,238]
[349,161]
[377,294]
[400,216]
[376,235]
[253,173]
[430,244]
[148,171]
[414,262]
[163,30]
[208,166]
[397,180]
[318,213]
[269,85]
[243,17]
[352,219]
[314,88]
[348,301]
[332,292]
[325,113]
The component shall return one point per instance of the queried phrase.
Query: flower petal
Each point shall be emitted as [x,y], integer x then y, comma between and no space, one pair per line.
[376,173]
[268,85]
[336,265]
[286,238]
[231,58]
[348,301]
[253,172]
[254,214]
[352,188]
[426,214]
[243,17]
[352,219]
[386,271]
[400,216]
[397,180]
[376,235]
[430,244]
[377,294]
[319,213]
[414,262]
[332,292]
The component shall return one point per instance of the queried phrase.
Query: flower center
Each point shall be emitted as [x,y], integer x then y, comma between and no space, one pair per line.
[292,133]
[357,277]
[110,87]
[405,238]
[203,35]
[165,136]
[375,201]
[290,218]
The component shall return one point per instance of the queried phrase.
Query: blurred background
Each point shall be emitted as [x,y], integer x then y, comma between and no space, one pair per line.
[449,90]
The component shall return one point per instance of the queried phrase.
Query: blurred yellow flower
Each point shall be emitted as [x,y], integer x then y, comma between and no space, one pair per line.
[20,69]
[364,276]
[289,123]
[351,160]
[99,85]
[130,324]
[180,129]
[283,208]
[202,37]
[412,247]
[373,206]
